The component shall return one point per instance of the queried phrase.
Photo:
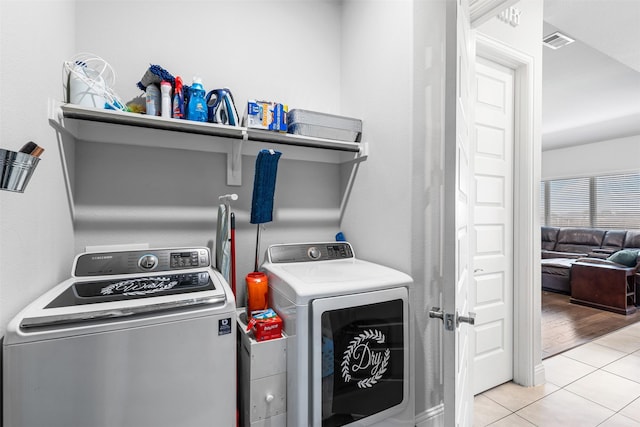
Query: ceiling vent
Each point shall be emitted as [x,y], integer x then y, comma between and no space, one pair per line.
[557,40]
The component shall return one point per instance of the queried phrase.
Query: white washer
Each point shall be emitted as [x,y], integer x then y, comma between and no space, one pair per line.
[350,340]
[132,339]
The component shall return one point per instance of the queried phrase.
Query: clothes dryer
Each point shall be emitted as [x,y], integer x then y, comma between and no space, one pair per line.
[350,339]
[132,339]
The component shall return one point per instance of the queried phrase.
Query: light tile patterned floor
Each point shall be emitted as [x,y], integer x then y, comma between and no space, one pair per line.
[596,384]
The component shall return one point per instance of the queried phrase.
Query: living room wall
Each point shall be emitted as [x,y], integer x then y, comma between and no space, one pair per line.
[614,156]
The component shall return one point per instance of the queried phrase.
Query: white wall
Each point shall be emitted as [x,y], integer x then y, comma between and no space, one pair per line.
[280,50]
[376,69]
[611,157]
[36,236]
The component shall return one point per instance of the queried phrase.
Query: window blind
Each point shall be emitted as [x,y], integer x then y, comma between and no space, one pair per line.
[569,203]
[617,201]
[608,202]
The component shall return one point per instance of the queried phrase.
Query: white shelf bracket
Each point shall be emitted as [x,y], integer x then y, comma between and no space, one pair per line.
[234,162]
[364,150]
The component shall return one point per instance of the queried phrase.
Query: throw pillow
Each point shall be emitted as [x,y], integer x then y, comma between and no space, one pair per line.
[628,257]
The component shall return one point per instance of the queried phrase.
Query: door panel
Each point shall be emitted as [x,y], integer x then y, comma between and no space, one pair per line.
[492,282]
[458,377]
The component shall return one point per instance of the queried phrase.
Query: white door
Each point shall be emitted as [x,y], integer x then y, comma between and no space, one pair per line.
[456,353]
[491,291]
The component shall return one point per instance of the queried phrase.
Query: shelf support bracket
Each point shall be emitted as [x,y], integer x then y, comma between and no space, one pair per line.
[234,162]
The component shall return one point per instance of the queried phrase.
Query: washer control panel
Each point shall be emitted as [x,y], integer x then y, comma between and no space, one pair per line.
[148,260]
[309,252]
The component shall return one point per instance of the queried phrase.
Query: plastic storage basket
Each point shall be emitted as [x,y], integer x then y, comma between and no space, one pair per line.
[322,125]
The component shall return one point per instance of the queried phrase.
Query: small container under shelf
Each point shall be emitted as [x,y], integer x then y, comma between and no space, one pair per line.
[16,169]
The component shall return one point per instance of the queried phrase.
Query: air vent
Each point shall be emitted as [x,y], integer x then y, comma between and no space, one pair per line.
[557,40]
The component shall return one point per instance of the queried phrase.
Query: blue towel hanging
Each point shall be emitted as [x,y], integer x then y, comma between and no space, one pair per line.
[264,186]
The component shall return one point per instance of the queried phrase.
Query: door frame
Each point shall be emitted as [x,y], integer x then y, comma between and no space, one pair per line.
[528,369]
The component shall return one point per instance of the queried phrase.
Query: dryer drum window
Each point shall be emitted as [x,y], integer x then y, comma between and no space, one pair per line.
[362,361]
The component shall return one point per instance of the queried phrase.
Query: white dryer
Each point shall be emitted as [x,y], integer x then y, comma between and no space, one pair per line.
[132,339]
[350,341]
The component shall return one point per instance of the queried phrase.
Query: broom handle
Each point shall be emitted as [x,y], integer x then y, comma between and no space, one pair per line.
[233,253]
[257,248]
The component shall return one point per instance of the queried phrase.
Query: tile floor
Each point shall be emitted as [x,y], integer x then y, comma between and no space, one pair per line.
[596,384]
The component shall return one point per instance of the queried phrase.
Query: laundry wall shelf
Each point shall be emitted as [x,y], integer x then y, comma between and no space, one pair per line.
[117,127]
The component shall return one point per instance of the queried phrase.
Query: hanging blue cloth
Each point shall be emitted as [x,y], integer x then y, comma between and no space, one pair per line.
[264,186]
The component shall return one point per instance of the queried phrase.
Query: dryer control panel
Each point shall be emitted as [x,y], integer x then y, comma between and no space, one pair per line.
[147,260]
[305,252]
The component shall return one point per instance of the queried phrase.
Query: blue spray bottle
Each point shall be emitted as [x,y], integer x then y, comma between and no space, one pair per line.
[197,106]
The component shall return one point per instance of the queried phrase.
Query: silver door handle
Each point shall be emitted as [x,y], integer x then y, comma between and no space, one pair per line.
[451,321]
[447,319]
[436,313]
[470,319]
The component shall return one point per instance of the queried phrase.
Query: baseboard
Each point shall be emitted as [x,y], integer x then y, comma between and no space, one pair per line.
[432,417]
[539,375]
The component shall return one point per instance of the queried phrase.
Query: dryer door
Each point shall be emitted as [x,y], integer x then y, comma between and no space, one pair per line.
[360,357]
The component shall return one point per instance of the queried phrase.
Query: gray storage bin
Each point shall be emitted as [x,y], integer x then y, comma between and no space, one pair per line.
[322,125]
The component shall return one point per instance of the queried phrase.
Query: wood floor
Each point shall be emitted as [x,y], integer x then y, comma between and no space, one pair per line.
[566,325]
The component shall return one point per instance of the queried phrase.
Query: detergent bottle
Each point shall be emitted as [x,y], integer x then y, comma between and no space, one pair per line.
[197,106]
[178,99]
[153,100]
[165,89]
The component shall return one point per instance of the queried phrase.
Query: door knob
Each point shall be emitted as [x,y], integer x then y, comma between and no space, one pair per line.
[436,313]
[470,319]
[447,318]
[451,322]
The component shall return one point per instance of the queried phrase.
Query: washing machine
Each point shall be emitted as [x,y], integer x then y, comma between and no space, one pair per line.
[132,339]
[349,336]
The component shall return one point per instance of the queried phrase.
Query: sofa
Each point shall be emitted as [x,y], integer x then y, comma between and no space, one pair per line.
[562,247]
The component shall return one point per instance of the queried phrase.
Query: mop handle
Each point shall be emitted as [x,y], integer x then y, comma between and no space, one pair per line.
[233,253]
[257,247]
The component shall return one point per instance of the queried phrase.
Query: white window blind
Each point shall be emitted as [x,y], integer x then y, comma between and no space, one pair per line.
[569,203]
[617,202]
[608,202]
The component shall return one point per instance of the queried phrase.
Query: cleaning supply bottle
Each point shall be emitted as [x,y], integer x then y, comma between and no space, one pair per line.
[165,88]
[197,106]
[178,100]
[153,100]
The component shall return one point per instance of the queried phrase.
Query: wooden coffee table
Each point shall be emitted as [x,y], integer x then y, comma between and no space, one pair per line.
[606,287]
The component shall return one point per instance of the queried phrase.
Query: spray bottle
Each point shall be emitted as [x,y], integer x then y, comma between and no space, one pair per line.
[197,106]
[178,100]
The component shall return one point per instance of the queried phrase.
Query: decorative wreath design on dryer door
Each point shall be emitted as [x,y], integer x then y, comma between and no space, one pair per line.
[359,349]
